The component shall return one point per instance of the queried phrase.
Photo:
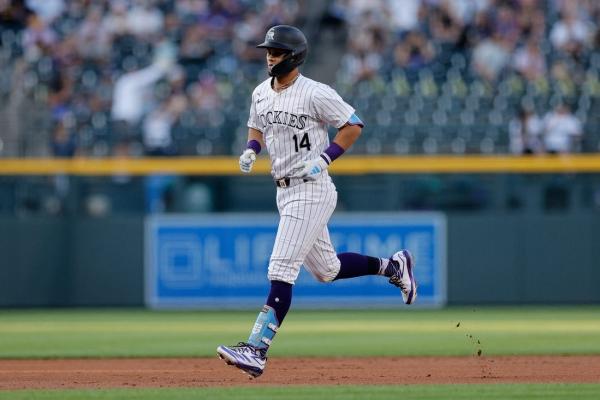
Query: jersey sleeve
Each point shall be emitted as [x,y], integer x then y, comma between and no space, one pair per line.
[330,107]
[253,117]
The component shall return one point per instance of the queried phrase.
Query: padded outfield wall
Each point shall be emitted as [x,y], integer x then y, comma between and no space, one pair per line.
[492,259]
[529,241]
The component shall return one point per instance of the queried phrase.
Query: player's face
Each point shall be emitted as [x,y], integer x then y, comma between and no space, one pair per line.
[274,57]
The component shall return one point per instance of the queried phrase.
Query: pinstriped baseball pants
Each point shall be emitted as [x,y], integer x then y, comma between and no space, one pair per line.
[302,234]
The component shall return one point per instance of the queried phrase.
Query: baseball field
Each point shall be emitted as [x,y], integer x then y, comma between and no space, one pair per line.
[454,353]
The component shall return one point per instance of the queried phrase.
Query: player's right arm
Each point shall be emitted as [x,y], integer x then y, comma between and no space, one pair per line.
[255,134]
[253,147]
[255,138]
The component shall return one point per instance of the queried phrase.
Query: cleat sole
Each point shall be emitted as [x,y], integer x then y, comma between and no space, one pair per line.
[409,266]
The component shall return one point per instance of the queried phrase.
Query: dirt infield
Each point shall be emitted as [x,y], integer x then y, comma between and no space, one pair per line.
[204,372]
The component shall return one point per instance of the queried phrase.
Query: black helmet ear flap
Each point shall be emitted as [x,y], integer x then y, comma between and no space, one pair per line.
[284,67]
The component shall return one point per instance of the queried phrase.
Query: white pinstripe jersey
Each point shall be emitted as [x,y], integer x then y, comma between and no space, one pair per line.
[294,121]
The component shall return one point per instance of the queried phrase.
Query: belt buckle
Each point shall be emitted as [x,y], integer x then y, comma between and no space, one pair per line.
[282,183]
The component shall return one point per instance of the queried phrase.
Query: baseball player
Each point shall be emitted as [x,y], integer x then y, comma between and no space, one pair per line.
[289,116]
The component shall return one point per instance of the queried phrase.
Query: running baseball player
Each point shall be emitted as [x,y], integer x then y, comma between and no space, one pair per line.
[289,116]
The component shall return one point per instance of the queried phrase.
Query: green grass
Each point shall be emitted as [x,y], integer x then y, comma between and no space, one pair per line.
[423,392]
[142,333]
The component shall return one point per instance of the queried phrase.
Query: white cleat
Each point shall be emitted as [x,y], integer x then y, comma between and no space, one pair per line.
[403,277]
[251,360]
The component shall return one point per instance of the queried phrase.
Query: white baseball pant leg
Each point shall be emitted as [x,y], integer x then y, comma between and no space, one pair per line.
[302,234]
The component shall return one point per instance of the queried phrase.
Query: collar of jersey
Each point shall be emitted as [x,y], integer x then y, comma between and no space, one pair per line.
[287,87]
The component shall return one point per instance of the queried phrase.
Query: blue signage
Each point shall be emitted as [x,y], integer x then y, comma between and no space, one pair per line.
[220,260]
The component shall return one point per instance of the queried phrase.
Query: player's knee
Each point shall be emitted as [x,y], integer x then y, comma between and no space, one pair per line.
[325,278]
[328,274]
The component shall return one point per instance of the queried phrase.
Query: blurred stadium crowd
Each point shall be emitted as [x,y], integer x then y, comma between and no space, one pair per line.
[174,77]
[448,75]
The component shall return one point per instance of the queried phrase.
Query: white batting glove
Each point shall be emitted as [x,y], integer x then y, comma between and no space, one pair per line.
[247,160]
[310,169]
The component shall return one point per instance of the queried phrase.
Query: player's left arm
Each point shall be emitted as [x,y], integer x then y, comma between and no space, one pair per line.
[343,140]
[347,135]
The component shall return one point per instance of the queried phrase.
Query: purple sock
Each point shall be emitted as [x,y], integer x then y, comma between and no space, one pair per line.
[354,265]
[280,299]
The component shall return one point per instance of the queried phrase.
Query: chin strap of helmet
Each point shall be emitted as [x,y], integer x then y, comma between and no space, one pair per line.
[285,66]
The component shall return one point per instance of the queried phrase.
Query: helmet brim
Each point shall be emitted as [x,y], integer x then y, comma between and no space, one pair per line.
[274,45]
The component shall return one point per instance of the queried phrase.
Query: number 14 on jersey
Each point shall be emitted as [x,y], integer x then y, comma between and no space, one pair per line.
[304,142]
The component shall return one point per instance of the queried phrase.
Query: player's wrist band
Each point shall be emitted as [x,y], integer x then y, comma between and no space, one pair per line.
[254,145]
[332,152]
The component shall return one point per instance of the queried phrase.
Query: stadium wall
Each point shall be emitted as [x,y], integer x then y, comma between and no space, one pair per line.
[494,258]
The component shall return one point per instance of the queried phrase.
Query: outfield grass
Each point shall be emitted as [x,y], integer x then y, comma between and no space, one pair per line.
[422,392]
[142,333]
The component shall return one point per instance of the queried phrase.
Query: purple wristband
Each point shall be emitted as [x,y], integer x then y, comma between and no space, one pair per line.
[332,152]
[254,145]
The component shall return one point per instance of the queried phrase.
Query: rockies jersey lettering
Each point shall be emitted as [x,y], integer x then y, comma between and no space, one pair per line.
[283,118]
[294,122]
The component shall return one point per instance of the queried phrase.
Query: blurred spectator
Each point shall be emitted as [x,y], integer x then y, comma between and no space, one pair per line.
[362,65]
[491,56]
[366,44]
[47,10]
[115,22]
[525,132]
[277,12]
[247,33]
[195,46]
[414,52]
[529,61]
[133,97]
[38,38]
[144,19]
[206,102]
[466,10]
[14,14]
[93,36]
[532,21]
[562,131]
[132,93]
[64,140]
[157,126]
[570,34]
[444,24]
[506,23]
[405,18]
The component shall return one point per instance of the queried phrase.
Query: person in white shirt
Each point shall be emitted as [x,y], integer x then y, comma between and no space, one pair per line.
[570,34]
[562,131]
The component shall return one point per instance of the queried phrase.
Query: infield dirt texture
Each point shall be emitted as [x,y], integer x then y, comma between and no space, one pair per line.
[209,372]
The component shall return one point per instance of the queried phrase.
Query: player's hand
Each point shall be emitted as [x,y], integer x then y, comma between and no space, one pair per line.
[247,160]
[310,169]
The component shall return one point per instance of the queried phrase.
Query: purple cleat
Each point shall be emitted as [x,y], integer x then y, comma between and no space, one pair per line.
[403,276]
